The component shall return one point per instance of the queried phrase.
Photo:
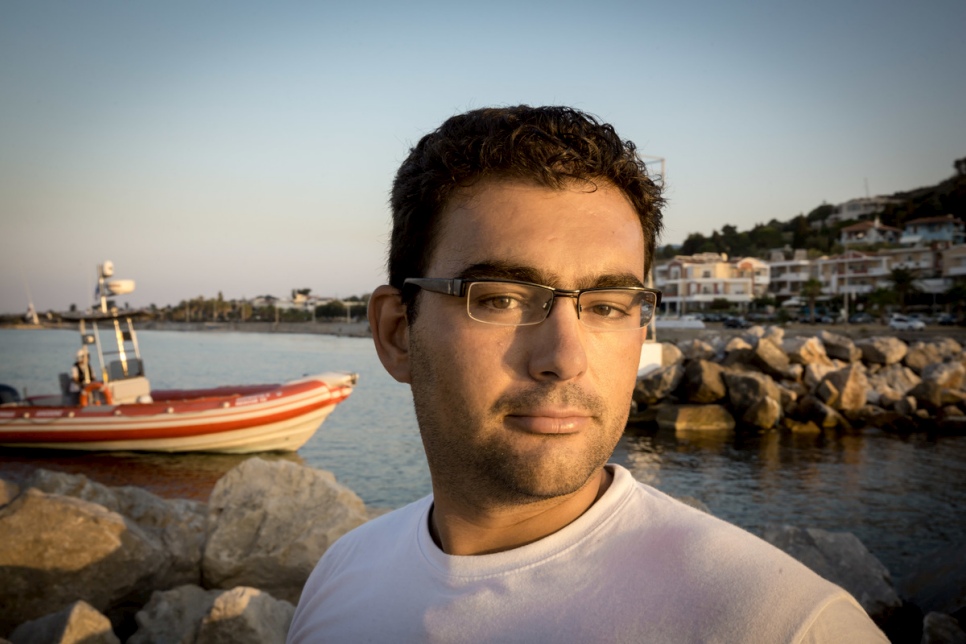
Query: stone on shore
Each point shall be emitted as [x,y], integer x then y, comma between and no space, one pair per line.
[882,350]
[839,347]
[188,613]
[103,558]
[176,525]
[755,398]
[769,358]
[695,417]
[79,623]
[805,351]
[658,384]
[938,582]
[850,386]
[703,382]
[939,628]
[269,522]
[842,559]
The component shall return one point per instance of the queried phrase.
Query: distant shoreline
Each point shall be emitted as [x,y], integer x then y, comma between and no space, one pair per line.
[342,329]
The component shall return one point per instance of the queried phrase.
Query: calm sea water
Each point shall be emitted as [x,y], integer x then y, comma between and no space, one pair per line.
[902,496]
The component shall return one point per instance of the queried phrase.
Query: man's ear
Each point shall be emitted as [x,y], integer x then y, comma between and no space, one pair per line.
[390,331]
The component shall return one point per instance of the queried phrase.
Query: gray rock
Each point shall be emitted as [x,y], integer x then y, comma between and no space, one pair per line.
[173,615]
[670,354]
[695,417]
[103,558]
[658,384]
[928,395]
[764,414]
[696,349]
[246,616]
[270,522]
[839,347]
[938,581]
[747,389]
[805,351]
[851,386]
[882,350]
[948,375]
[8,491]
[842,559]
[79,623]
[895,377]
[703,382]
[176,525]
[738,343]
[774,334]
[770,359]
[921,354]
[940,628]
[815,372]
[813,409]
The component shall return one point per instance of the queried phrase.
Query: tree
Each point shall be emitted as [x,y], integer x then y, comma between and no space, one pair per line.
[903,283]
[811,290]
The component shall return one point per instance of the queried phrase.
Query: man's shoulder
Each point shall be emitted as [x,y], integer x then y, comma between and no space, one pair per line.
[377,534]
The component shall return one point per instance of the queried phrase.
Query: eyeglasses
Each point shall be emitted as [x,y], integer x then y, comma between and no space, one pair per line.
[512,303]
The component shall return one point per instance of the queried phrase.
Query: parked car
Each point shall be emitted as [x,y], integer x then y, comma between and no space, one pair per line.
[905,323]
[947,319]
[861,318]
[736,322]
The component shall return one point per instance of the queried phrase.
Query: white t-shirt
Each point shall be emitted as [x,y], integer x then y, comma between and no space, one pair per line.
[638,566]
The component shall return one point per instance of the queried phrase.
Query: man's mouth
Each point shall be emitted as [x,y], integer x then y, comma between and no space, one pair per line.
[545,421]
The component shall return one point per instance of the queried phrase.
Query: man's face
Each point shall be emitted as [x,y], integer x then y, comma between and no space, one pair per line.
[523,413]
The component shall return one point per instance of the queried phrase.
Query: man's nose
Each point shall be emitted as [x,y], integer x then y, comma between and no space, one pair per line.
[557,345]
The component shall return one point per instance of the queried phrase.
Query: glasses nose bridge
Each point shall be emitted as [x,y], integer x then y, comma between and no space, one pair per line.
[557,292]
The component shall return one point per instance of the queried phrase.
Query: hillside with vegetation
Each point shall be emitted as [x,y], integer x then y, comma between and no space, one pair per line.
[811,231]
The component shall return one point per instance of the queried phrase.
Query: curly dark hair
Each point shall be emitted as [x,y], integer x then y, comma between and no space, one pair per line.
[545,146]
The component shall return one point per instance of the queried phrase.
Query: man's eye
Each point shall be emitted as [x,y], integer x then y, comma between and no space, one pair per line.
[611,311]
[500,302]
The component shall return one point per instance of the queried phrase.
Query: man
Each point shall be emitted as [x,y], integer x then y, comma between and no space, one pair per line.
[516,311]
[81,373]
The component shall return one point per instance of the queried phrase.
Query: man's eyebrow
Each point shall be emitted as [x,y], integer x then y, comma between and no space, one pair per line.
[498,270]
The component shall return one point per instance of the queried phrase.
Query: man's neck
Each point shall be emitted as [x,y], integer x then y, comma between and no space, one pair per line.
[459,528]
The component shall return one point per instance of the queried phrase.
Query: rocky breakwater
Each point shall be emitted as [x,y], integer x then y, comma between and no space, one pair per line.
[85,562]
[761,380]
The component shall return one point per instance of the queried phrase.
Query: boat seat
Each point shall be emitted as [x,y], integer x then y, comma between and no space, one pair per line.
[130,390]
[115,369]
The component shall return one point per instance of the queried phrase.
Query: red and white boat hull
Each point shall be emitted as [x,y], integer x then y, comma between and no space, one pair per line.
[227,419]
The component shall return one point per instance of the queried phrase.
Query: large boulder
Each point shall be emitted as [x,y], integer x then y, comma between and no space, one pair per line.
[703,382]
[882,350]
[658,384]
[810,408]
[79,623]
[755,398]
[842,559]
[851,386]
[896,377]
[769,358]
[922,354]
[938,582]
[940,628]
[947,375]
[57,550]
[694,417]
[269,522]
[697,349]
[839,347]
[241,615]
[670,354]
[176,525]
[805,351]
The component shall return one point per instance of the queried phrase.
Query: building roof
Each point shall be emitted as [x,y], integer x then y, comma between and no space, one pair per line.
[936,220]
[866,225]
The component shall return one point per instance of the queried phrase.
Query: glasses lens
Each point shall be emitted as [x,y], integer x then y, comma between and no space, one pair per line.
[507,303]
[616,308]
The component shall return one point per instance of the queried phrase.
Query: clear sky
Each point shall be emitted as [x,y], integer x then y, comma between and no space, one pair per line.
[249,147]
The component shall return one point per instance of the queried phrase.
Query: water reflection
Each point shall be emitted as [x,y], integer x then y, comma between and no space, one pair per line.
[902,496]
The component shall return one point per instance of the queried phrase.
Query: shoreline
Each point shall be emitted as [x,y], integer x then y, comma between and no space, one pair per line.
[341,329]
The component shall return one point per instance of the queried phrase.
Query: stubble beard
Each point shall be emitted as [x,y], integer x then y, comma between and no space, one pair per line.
[481,462]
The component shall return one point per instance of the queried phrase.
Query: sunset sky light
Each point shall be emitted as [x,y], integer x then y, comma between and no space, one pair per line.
[249,147]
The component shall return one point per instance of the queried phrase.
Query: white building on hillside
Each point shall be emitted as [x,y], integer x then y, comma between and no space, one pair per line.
[692,282]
